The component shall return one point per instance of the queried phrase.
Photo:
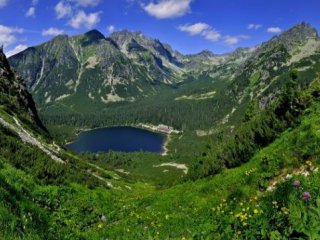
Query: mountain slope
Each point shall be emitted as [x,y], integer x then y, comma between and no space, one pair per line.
[15,97]
[129,79]
[89,67]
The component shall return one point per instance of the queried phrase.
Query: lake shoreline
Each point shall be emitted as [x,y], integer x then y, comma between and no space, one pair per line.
[149,127]
[165,149]
[125,135]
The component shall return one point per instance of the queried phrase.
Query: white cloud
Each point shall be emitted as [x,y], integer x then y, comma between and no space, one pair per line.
[31,12]
[253,26]
[194,29]
[232,40]
[7,36]
[168,8]
[52,32]
[62,10]
[81,19]
[210,33]
[17,49]
[111,29]
[202,29]
[274,30]
[3,3]
[86,3]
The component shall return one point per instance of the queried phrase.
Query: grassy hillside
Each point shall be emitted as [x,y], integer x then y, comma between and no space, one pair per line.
[254,201]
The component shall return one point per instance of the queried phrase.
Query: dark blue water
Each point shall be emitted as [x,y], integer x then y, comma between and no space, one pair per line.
[124,139]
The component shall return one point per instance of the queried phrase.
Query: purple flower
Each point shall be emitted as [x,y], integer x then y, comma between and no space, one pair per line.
[296,184]
[306,196]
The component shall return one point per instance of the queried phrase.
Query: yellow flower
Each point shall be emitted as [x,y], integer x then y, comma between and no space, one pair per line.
[285,210]
[255,198]
[255,211]
[274,202]
[309,163]
[167,217]
[183,238]
[241,204]
[100,225]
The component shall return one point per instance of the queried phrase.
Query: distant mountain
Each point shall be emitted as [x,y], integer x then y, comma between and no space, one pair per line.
[86,73]
[96,69]
[266,69]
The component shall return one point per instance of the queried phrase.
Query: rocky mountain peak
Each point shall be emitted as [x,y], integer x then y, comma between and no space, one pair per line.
[5,70]
[206,53]
[14,94]
[94,34]
[300,32]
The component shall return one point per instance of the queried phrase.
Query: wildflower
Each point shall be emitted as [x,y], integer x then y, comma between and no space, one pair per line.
[255,211]
[306,173]
[255,198]
[100,225]
[285,210]
[167,217]
[288,176]
[183,238]
[145,228]
[296,184]
[274,202]
[309,163]
[306,196]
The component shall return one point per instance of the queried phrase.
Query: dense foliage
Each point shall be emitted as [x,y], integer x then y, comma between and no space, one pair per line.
[259,129]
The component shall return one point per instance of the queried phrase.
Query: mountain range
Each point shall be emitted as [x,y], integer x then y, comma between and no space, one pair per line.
[127,72]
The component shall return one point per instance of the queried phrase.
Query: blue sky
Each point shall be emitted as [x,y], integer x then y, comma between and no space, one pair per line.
[189,26]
